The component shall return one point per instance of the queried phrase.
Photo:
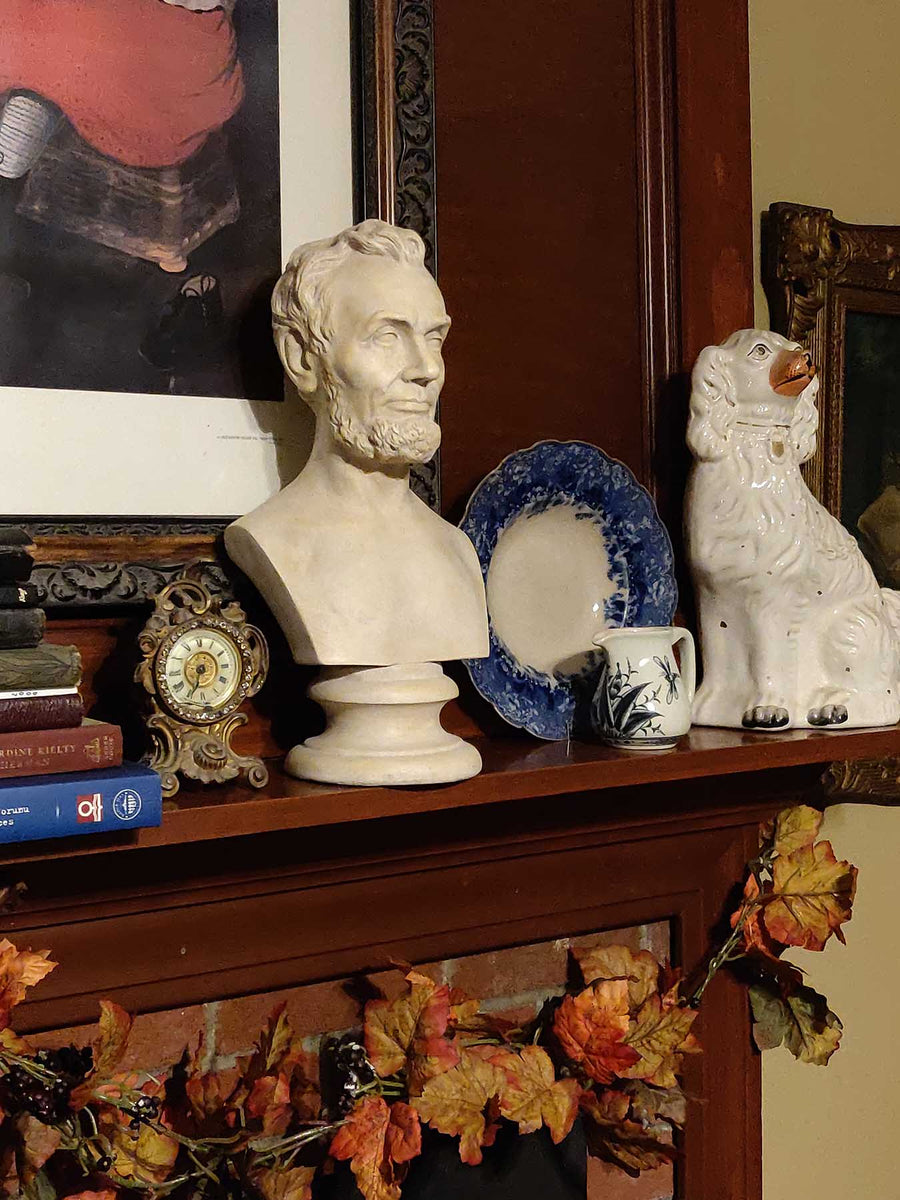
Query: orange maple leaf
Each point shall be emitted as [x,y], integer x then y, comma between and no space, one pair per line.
[19,970]
[754,935]
[379,1142]
[812,895]
[105,1194]
[591,1028]
[409,1033]
[464,1102]
[270,1099]
[640,971]
[533,1096]
[660,1035]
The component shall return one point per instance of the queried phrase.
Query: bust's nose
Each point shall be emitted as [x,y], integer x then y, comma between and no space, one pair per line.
[424,364]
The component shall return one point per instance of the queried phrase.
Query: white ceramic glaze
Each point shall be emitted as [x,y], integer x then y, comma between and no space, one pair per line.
[358,571]
[643,698]
[355,567]
[384,729]
[794,629]
[546,606]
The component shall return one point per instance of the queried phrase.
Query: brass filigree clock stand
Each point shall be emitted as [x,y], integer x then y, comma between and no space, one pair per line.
[202,662]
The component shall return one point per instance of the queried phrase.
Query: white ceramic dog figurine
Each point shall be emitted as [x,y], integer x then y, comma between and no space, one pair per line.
[794,629]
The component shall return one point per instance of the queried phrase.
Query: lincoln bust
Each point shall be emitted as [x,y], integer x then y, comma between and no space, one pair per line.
[356,569]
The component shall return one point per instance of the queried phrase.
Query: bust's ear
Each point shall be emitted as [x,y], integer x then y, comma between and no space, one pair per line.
[301,365]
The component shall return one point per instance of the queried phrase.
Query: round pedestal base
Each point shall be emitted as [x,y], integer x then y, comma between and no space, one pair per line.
[384,729]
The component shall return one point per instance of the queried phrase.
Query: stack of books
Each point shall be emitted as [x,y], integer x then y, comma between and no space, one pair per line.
[59,772]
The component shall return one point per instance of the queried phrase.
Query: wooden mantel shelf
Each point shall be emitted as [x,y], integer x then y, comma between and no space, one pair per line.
[514,769]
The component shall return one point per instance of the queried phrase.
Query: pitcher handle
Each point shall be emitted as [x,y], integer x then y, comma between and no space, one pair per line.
[688,661]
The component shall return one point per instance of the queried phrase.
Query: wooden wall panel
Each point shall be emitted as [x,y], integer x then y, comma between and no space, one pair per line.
[537,230]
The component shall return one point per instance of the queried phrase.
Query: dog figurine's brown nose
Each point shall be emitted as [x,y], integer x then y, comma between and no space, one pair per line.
[791,372]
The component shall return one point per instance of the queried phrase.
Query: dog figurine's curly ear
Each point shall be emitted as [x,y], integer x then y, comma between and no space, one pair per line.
[806,421]
[712,405]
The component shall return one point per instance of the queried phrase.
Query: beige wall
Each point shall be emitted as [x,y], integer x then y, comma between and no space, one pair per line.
[825,82]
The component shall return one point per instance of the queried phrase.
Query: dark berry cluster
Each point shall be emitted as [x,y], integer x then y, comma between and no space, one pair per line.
[47,1098]
[352,1069]
[145,1108]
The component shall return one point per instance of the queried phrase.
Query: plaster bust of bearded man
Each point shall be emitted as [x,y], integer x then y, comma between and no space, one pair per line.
[356,569]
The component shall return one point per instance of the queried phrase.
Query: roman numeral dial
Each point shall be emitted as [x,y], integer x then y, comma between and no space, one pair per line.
[203,669]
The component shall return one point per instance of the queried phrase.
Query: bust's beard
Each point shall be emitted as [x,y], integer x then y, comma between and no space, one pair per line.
[395,443]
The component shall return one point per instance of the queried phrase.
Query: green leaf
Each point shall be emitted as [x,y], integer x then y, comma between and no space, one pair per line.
[800,1020]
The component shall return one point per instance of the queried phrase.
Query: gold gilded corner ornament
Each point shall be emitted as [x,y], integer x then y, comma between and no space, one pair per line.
[807,250]
[201,662]
[866,779]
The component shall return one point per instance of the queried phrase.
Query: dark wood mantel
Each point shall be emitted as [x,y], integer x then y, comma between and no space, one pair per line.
[241,893]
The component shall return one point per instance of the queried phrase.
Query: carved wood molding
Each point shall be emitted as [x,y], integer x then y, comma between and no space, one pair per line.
[414,99]
[875,779]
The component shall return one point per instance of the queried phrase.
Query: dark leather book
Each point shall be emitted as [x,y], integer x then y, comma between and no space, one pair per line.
[41,712]
[15,563]
[21,595]
[85,747]
[21,628]
[15,535]
[44,666]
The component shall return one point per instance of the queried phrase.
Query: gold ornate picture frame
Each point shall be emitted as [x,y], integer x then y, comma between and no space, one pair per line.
[835,287]
[818,273]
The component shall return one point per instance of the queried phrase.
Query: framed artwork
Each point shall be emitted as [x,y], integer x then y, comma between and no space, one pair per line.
[158,161]
[835,287]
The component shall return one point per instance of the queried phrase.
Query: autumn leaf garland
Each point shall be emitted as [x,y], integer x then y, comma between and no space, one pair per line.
[610,1050]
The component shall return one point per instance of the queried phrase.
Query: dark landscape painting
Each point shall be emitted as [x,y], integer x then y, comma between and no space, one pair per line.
[870,477]
[140,216]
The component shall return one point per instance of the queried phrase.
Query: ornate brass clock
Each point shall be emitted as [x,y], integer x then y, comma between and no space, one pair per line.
[202,661]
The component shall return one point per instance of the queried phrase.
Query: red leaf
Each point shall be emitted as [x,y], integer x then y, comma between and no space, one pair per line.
[408,1034]
[379,1141]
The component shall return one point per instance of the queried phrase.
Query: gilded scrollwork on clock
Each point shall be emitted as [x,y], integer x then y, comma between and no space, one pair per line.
[201,662]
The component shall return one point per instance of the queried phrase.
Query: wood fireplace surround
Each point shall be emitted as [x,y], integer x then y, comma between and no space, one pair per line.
[615,185]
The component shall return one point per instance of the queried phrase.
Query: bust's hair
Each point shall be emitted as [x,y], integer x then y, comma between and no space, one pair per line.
[300,300]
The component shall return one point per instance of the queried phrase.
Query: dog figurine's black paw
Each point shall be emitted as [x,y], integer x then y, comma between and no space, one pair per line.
[828,714]
[766,716]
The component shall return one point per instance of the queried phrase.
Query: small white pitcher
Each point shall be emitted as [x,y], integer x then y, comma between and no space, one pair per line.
[643,699]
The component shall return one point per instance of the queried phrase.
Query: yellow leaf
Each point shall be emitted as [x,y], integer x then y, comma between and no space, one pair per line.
[796,827]
[278,1184]
[812,895]
[111,1040]
[533,1096]
[19,970]
[464,1102]
[640,971]
[146,1159]
[660,1036]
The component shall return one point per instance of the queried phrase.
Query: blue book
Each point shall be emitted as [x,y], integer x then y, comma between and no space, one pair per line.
[107,801]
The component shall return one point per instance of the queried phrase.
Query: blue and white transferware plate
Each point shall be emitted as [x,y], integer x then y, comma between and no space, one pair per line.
[569,544]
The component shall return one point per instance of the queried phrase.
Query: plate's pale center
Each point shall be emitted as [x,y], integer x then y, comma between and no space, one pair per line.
[547,587]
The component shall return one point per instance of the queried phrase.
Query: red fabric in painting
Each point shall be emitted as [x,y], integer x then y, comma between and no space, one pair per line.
[142,81]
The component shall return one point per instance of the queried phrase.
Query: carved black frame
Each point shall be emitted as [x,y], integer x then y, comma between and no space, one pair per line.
[113,561]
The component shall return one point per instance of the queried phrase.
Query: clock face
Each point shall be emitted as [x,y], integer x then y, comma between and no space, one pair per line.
[200,671]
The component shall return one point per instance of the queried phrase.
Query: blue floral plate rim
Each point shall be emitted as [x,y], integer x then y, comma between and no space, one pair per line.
[548,473]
